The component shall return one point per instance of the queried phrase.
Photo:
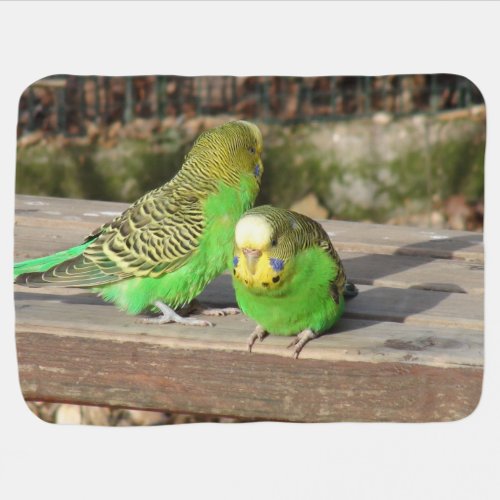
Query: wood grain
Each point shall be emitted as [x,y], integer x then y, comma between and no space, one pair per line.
[347,236]
[137,374]
[413,305]
[405,271]
[409,348]
[404,240]
[85,314]
[397,271]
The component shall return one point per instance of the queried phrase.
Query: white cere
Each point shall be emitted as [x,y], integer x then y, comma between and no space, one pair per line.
[253,231]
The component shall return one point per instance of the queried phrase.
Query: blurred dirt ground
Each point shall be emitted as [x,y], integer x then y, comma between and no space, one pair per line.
[57,413]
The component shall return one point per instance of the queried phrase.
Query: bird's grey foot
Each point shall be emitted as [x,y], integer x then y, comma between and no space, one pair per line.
[225,311]
[301,340]
[198,308]
[168,315]
[258,333]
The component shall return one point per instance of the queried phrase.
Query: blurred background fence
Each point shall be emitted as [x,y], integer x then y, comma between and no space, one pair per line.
[64,103]
[399,149]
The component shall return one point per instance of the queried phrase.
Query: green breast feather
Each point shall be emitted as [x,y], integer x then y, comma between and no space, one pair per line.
[304,301]
[178,287]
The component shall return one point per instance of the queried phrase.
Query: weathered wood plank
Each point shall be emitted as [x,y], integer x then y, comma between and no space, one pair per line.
[418,307]
[408,349]
[31,242]
[399,271]
[414,306]
[352,339]
[64,210]
[431,308]
[405,271]
[405,240]
[347,236]
[139,374]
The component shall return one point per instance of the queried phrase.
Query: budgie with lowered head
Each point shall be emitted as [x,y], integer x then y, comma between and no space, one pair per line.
[287,276]
[162,251]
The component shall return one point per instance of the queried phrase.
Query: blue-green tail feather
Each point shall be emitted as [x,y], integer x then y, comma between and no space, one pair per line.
[42,264]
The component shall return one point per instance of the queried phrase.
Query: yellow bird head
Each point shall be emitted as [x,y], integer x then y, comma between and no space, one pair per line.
[228,151]
[260,261]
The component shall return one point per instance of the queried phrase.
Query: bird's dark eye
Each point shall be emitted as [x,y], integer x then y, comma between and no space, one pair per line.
[252,150]
[274,242]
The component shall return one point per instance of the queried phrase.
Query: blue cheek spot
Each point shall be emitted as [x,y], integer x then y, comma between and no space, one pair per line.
[277,264]
[235,260]
[256,170]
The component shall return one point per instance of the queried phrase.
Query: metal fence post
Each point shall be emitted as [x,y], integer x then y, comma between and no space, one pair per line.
[106,99]
[129,98]
[265,99]
[367,89]
[234,96]
[97,107]
[199,95]
[82,111]
[61,109]
[209,95]
[467,96]
[31,105]
[160,90]
[358,96]
[434,94]
[333,97]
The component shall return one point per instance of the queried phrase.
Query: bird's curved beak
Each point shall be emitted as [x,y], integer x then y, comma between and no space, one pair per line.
[252,256]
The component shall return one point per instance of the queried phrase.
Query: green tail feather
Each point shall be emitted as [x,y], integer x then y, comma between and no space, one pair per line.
[44,263]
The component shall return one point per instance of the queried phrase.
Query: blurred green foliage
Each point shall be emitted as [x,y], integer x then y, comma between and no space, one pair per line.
[120,173]
[293,168]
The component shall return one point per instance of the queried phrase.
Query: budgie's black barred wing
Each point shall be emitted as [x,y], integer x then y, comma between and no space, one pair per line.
[310,234]
[337,286]
[150,195]
[152,237]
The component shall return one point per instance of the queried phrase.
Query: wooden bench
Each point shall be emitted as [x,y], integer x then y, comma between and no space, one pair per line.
[409,348]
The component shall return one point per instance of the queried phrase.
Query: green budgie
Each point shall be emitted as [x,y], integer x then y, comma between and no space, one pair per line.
[287,276]
[162,251]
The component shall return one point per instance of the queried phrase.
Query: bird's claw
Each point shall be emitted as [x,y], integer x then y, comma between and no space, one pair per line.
[226,311]
[300,341]
[258,333]
[168,315]
[195,307]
